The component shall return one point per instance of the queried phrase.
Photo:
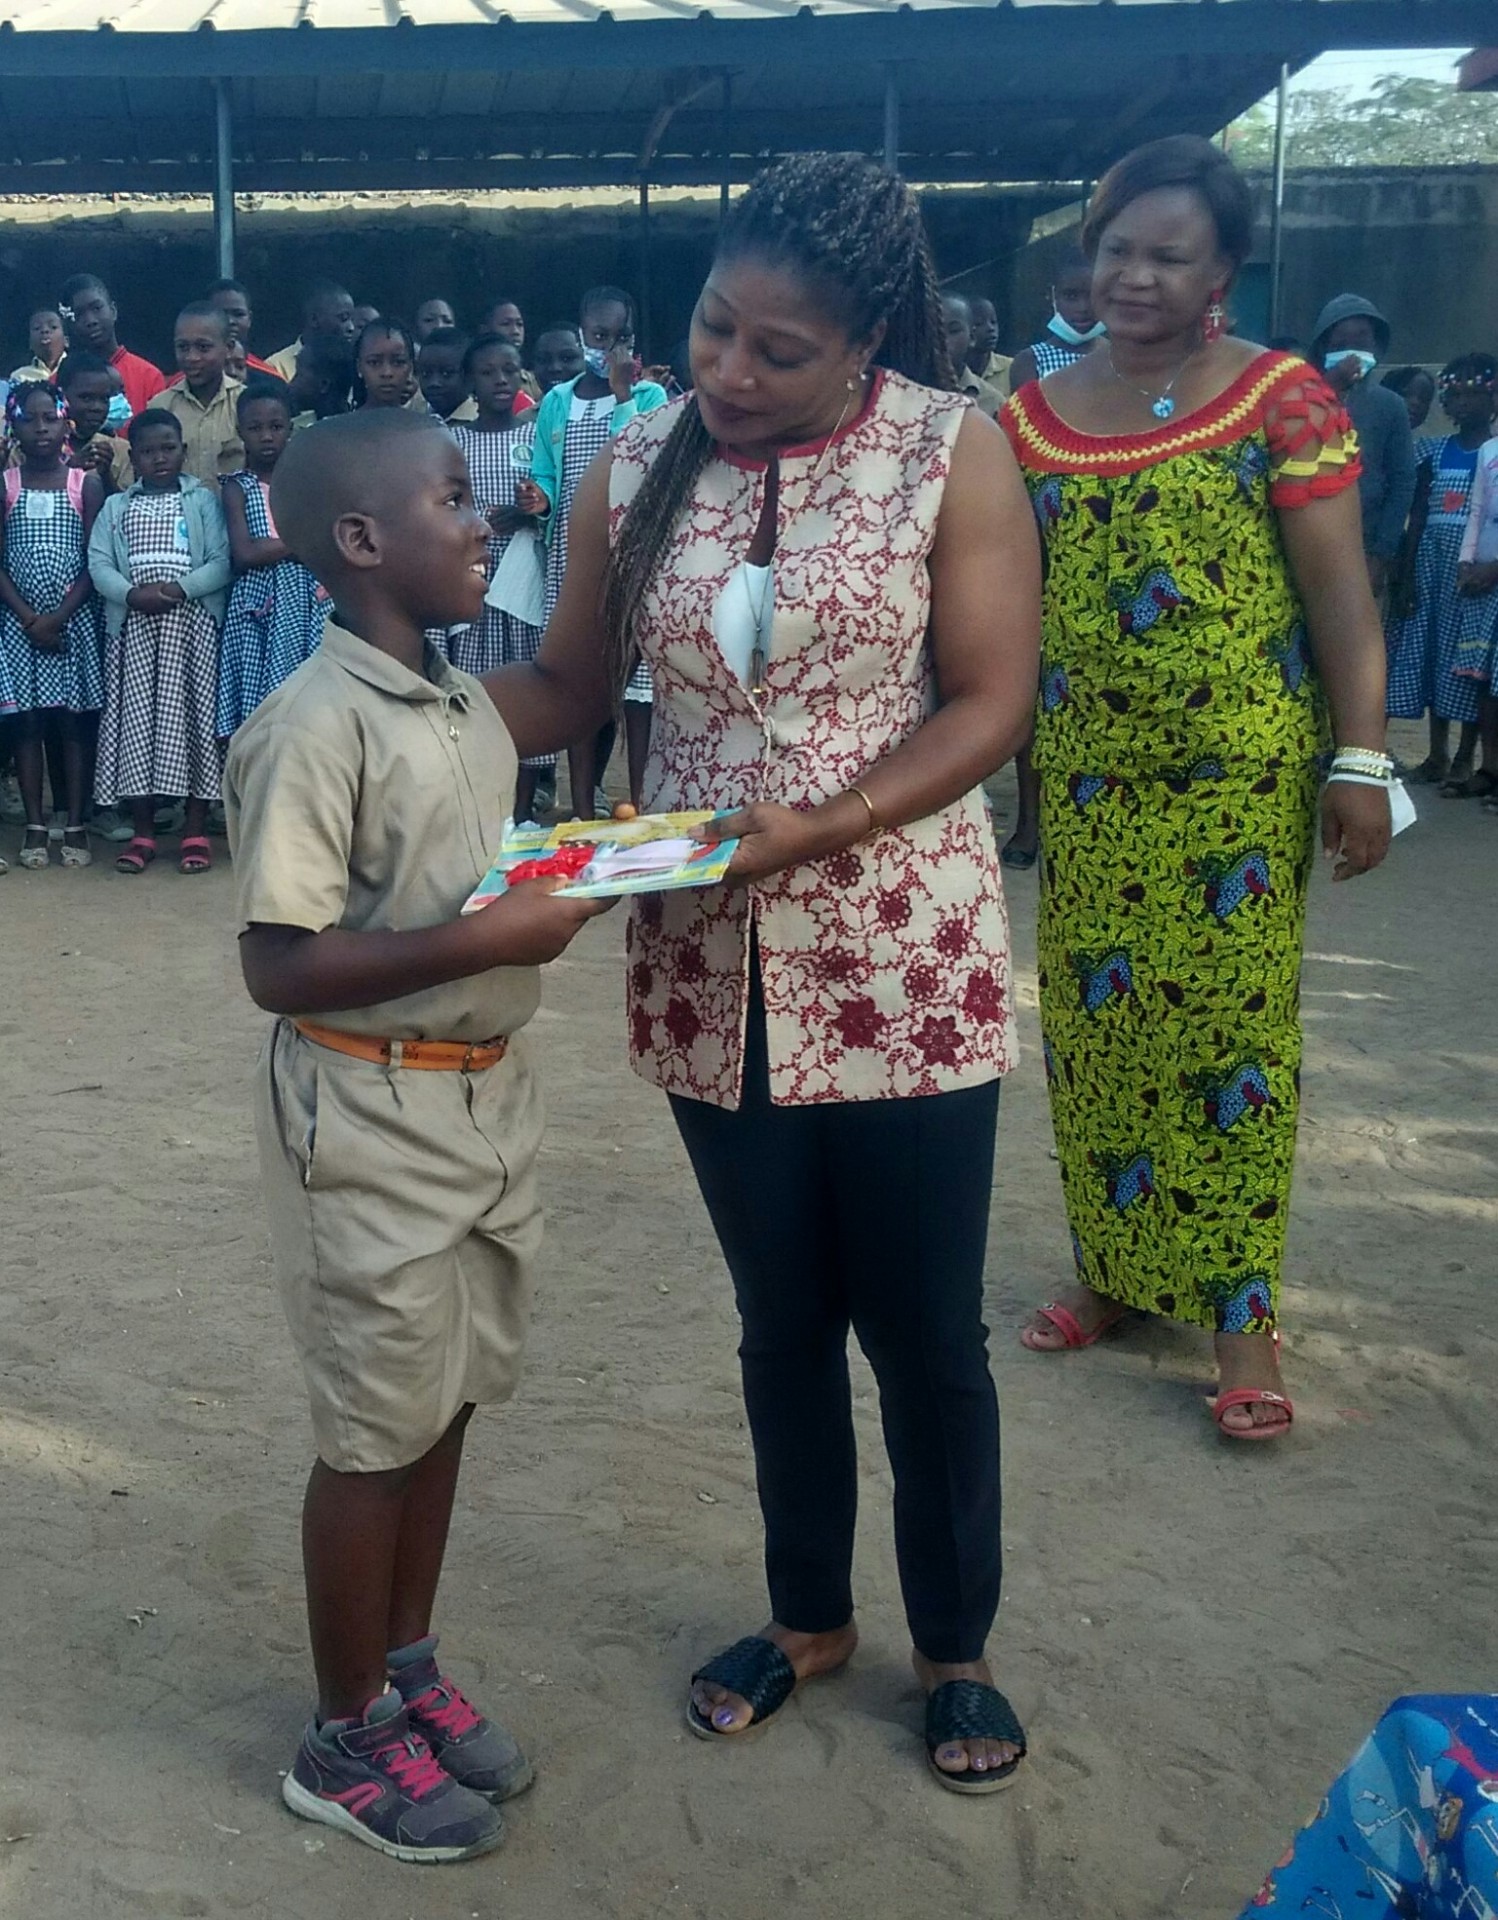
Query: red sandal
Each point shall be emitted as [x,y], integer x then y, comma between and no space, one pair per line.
[1074,1335]
[197,855]
[1252,1397]
[137,856]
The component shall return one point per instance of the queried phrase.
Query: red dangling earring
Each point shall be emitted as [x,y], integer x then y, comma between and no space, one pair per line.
[1215,320]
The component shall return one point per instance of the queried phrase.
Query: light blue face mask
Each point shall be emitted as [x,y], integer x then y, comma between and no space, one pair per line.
[597,362]
[1366,361]
[1064,330]
[119,414]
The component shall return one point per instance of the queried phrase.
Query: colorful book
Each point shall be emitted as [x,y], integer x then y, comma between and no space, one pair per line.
[597,859]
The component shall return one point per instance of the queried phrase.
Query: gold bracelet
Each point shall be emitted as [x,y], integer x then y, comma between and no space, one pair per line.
[859,794]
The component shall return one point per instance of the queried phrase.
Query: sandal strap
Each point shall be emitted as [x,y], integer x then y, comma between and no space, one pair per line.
[969,1710]
[756,1670]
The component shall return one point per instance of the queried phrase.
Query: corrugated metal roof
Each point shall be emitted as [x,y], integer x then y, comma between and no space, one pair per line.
[531,93]
[249,16]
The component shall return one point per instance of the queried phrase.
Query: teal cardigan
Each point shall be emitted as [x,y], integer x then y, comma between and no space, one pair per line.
[551,433]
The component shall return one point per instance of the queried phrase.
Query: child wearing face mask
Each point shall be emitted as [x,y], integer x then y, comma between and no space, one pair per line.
[1070,331]
[574,423]
[1350,337]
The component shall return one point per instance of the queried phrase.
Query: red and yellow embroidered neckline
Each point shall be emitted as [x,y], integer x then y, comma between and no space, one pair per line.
[1046,444]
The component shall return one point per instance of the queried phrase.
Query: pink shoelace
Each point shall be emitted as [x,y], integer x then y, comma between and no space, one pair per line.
[445,1707]
[410,1763]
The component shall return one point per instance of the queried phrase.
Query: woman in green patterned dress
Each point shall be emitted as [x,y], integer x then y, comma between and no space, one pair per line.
[1207,614]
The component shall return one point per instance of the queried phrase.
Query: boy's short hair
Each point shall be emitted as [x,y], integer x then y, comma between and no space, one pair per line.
[153,417]
[332,469]
[559,326]
[204,310]
[228,286]
[82,283]
[444,337]
[264,386]
[77,362]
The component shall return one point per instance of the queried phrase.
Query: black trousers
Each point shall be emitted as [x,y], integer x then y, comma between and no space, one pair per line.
[874,1214]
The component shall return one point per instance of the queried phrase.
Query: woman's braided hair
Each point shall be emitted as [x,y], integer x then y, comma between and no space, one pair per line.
[853,232]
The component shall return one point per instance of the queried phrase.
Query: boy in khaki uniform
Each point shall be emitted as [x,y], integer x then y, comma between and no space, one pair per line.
[397,1111]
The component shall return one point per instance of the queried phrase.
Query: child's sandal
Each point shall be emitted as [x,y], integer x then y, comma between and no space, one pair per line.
[197,854]
[72,854]
[137,856]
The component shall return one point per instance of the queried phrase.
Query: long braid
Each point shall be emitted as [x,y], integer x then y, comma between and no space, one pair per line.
[854,232]
[643,536]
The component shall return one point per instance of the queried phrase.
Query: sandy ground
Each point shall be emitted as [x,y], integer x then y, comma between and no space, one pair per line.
[1197,1636]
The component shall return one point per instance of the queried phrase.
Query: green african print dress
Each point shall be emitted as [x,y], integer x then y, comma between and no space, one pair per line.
[1177,738]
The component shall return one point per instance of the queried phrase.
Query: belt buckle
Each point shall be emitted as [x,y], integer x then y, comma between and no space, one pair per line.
[396,1048]
[468,1052]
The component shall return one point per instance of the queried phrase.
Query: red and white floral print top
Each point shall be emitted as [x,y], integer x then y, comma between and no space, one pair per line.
[885,967]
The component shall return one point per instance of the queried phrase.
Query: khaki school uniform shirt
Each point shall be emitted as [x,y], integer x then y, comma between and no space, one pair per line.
[210,433]
[989,398]
[365,796]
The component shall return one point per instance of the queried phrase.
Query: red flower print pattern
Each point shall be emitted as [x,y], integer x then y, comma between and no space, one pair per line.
[885,966]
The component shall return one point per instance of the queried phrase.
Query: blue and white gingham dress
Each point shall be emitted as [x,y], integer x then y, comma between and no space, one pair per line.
[44,555]
[273,623]
[1426,648]
[497,638]
[587,436]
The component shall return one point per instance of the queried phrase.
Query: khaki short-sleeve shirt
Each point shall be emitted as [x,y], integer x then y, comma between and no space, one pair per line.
[365,796]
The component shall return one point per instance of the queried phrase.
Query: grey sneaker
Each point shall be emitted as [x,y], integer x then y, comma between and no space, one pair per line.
[376,1779]
[476,1751]
[107,825]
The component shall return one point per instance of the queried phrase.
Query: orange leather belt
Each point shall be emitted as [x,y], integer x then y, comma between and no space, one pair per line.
[429,1056]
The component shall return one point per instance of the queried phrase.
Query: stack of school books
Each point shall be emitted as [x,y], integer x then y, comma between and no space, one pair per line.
[654,853]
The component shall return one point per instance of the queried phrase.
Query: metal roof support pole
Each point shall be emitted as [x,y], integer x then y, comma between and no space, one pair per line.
[223,178]
[1277,209]
[642,343]
[891,120]
[727,136]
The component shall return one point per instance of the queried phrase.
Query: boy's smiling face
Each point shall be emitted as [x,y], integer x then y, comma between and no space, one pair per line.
[435,544]
[202,347]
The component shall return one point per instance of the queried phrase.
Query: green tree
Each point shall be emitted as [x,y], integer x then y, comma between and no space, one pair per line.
[1402,122]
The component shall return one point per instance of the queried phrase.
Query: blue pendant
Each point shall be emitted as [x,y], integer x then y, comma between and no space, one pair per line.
[1164,407]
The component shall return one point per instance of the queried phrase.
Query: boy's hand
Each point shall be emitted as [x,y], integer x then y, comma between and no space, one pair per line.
[529,925]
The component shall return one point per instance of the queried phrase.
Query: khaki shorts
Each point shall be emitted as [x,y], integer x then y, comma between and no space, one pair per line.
[405,1224]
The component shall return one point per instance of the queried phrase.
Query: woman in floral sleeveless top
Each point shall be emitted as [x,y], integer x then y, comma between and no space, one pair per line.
[1206,604]
[825,558]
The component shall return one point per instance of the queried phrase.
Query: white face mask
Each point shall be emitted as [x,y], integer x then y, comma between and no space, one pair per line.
[1366,361]
[1064,330]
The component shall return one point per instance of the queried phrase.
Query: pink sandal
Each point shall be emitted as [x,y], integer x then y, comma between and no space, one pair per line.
[1074,1335]
[1252,1397]
[197,854]
[137,856]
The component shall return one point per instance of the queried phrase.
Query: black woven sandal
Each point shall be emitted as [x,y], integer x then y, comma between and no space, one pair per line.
[757,1671]
[968,1710]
